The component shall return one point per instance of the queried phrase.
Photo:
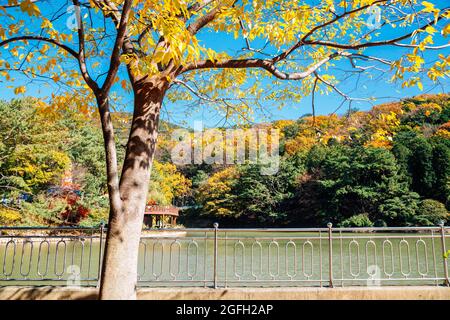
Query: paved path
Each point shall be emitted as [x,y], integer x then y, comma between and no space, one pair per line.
[350,293]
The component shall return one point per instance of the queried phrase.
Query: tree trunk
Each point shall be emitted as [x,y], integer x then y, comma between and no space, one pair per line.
[110,151]
[120,263]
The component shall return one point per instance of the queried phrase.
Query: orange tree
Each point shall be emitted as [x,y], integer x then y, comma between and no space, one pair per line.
[301,44]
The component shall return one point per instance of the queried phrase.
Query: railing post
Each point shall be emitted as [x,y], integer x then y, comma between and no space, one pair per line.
[330,252]
[100,253]
[216,229]
[444,256]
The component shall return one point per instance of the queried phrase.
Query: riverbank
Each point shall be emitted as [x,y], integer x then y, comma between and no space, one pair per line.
[77,236]
[349,293]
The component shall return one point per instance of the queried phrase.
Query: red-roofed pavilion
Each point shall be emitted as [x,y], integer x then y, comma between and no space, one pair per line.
[160,216]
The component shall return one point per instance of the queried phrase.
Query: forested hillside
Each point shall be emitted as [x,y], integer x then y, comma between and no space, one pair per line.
[388,166]
[52,167]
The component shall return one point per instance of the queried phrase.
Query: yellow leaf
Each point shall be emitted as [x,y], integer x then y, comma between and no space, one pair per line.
[19,90]
[46,24]
[429,7]
[430,30]
[30,8]
[14,52]
[44,48]
[446,30]
[123,83]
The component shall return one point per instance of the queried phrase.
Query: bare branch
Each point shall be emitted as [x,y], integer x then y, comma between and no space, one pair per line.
[343,15]
[7,6]
[196,93]
[392,42]
[332,86]
[81,51]
[110,10]
[425,47]
[205,19]
[199,6]
[267,65]
[313,101]
[40,38]
[115,56]
[302,41]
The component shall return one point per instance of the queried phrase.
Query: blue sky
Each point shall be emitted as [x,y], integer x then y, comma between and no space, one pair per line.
[378,88]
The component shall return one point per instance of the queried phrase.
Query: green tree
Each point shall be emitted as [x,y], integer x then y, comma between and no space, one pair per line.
[33,149]
[360,220]
[260,197]
[421,166]
[431,213]
[400,210]
[441,167]
[349,181]
[425,163]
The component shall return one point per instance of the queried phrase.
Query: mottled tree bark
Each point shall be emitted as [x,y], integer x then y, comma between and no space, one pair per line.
[119,272]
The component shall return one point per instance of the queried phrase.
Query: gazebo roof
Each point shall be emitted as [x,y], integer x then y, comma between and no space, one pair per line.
[162,210]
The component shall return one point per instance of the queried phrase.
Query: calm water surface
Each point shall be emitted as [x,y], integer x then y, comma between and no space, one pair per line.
[243,259]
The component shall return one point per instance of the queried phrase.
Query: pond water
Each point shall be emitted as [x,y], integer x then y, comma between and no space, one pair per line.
[243,259]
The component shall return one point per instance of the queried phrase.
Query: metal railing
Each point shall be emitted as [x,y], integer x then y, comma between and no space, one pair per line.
[214,257]
[50,255]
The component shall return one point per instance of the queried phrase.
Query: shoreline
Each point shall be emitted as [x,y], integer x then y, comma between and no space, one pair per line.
[95,237]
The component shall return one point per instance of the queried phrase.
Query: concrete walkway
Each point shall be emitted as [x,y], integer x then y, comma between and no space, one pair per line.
[350,293]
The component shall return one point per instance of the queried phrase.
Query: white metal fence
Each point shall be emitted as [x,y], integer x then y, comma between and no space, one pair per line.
[234,257]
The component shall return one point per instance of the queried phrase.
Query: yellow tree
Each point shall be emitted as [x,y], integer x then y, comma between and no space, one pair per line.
[300,44]
[167,183]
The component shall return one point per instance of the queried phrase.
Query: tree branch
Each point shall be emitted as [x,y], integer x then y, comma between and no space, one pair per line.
[40,38]
[286,53]
[81,51]
[267,65]
[7,6]
[392,42]
[114,14]
[205,19]
[332,86]
[343,15]
[115,56]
